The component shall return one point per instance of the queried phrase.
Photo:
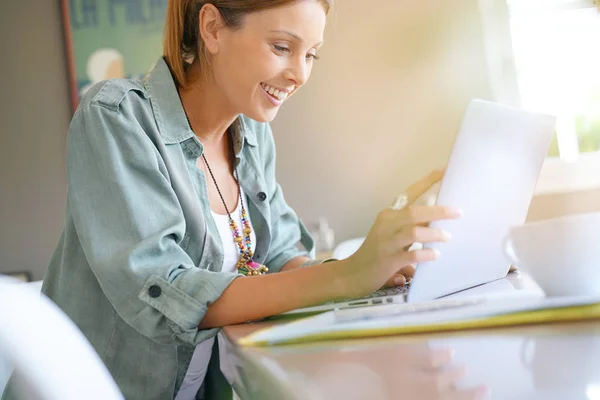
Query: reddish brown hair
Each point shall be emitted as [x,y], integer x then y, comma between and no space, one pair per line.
[182,42]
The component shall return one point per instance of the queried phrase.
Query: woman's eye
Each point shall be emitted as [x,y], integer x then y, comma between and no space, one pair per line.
[312,56]
[281,49]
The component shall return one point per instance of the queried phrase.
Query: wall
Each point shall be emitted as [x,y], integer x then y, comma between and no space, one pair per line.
[382,106]
[544,206]
[34,119]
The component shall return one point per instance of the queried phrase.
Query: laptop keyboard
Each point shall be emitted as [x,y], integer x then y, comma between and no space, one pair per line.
[388,292]
[357,314]
[384,292]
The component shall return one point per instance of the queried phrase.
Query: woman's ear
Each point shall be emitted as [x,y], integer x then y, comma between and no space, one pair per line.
[211,22]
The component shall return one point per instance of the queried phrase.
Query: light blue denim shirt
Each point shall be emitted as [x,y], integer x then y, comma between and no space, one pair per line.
[140,257]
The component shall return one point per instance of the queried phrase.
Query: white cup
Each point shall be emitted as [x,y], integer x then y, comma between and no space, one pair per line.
[561,254]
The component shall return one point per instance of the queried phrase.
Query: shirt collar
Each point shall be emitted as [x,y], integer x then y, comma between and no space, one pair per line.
[170,115]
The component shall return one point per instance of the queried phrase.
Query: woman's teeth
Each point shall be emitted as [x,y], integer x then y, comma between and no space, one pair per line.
[274,92]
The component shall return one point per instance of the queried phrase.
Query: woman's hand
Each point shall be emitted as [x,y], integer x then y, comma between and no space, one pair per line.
[385,257]
[424,192]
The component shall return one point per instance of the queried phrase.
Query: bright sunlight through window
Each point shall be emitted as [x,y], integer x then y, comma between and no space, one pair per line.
[556,47]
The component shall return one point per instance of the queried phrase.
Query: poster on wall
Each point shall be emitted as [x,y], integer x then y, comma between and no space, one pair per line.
[108,39]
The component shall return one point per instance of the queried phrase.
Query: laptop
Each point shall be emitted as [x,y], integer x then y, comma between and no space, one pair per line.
[491,175]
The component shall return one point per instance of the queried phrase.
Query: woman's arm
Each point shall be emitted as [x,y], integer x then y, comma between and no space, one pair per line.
[382,254]
[298,262]
[256,297]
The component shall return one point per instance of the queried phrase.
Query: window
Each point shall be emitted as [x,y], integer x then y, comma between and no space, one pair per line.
[555,45]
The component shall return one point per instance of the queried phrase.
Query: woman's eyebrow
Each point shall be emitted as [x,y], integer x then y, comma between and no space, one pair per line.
[295,36]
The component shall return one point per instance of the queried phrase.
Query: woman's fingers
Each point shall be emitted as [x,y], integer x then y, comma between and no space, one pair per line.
[420,215]
[402,277]
[395,236]
[417,189]
[420,234]
[417,256]
[409,271]
[389,222]
[386,247]
[405,261]
[396,280]
[393,220]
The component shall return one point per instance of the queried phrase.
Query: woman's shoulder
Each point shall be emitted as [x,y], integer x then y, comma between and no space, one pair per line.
[117,108]
[112,93]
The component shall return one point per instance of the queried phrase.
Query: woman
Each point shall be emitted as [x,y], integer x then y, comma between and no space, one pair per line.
[175,223]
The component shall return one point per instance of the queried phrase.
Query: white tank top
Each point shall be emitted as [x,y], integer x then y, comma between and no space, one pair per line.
[199,364]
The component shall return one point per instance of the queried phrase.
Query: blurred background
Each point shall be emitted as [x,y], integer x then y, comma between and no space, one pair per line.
[381,110]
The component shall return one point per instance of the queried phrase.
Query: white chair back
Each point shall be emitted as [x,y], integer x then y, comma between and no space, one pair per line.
[50,355]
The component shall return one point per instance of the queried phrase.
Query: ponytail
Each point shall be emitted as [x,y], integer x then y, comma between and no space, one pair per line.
[172,41]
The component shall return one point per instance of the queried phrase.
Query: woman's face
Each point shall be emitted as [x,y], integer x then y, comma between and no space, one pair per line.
[270,57]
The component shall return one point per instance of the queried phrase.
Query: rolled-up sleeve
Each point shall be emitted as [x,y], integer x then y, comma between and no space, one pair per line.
[130,226]
[287,230]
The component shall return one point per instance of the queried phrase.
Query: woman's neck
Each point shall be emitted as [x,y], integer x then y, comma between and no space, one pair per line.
[207,109]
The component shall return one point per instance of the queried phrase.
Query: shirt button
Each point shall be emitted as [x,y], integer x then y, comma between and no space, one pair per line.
[262,196]
[154,291]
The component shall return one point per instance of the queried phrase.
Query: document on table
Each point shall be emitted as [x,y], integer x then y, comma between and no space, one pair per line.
[435,316]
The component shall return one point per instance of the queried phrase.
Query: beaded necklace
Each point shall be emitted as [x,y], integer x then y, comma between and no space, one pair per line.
[245,265]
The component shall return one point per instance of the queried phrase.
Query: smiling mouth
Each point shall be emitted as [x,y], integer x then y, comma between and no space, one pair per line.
[275,93]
